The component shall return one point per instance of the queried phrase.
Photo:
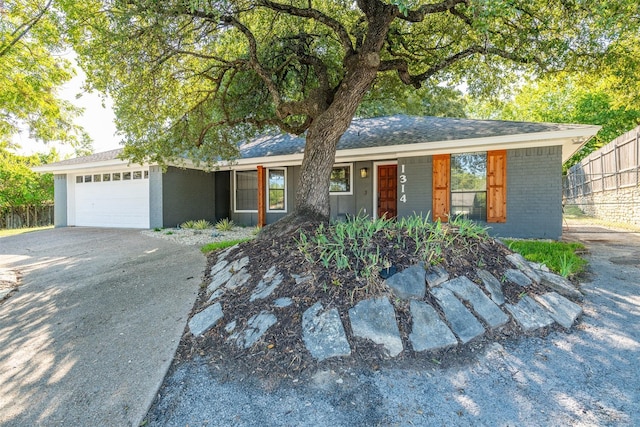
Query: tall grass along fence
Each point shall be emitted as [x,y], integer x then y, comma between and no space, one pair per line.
[26,216]
[606,183]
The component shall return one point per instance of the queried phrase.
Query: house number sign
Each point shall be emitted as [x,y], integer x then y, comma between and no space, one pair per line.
[403,181]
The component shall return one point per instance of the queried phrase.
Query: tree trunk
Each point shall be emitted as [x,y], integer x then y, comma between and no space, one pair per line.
[312,194]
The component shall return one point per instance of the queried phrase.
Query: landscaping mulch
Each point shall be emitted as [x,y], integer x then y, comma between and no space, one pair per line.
[281,352]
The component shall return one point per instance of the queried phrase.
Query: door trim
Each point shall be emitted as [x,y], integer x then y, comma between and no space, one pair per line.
[374,208]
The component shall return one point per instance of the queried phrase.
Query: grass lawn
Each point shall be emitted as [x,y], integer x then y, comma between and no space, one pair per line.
[14,231]
[561,257]
[209,247]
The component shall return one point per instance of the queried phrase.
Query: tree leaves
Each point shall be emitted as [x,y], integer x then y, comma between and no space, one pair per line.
[32,38]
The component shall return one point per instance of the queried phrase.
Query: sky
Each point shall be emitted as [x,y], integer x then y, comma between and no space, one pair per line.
[97,120]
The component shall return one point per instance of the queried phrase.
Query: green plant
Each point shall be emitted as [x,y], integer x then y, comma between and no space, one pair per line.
[168,233]
[225,225]
[561,257]
[157,229]
[210,247]
[200,224]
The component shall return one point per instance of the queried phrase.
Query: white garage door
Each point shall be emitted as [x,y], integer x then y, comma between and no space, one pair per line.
[114,199]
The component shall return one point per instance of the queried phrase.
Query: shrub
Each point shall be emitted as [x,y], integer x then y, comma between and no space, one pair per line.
[225,225]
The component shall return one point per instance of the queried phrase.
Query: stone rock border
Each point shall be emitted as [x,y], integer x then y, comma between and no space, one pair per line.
[445,312]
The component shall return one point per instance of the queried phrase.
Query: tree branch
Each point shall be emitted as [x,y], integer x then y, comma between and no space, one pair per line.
[418,15]
[27,27]
[336,26]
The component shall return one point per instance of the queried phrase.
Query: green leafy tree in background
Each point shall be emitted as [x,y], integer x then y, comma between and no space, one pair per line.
[32,40]
[567,98]
[19,185]
[195,77]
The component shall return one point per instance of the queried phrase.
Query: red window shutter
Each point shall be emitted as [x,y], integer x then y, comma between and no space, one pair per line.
[441,187]
[497,186]
[262,208]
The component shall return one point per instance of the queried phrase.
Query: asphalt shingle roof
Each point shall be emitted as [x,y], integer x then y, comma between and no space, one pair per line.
[375,132]
[93,158]
[401,130]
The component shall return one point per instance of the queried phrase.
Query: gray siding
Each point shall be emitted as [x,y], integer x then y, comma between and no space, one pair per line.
[187,194]
[155,197]
[60,200]
[534,194]
[417,188]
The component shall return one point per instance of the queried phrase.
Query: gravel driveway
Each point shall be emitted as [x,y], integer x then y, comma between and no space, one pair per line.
[590,376]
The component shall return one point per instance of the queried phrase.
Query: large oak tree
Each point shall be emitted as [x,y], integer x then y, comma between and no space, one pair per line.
[196,76]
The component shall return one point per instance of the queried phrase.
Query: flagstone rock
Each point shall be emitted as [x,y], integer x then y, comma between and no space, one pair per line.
[529,314]
[219,279]
[517,277]
[217,268]
[300,279]
[409,283]
[256,327]
[215,295]
[238,279]
[323,333]
[560,309]
[492,285]
[206,319]
[465,289]
[375,320]
[267,285]
[523,265]
[239,264]
[283,302]
[436,275]
[429,332]
[560,285]
[462,321]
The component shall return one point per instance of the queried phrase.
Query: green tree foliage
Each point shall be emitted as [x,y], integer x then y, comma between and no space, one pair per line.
[570,98]
[19,185]
[194,77]
[32,40]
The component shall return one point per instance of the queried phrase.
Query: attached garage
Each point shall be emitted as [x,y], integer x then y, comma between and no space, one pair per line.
[109,199]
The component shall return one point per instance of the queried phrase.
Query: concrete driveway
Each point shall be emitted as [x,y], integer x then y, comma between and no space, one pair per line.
[90,334]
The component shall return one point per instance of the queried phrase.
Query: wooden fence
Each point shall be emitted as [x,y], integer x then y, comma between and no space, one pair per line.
[613,167]
[26,216]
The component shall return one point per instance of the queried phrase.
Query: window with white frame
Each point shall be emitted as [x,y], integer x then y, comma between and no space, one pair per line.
[341,179]
[469,186]
[246,194]
[276,182]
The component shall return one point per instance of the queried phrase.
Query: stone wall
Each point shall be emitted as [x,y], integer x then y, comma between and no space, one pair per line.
[606,184]
[621,205]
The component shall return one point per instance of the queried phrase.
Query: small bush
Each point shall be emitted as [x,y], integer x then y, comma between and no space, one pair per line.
[225,225]
[201,224]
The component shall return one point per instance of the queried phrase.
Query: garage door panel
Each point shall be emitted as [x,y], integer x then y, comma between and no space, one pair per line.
[112,204]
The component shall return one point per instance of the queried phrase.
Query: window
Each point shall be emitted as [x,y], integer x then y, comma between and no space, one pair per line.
[469,186]
[79,179]
[276,180]
[87,178]
[106,177]
[341,180]
[116,176]
[137,175]
[126,175]
[146,174]
[246,191]
[97,178]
